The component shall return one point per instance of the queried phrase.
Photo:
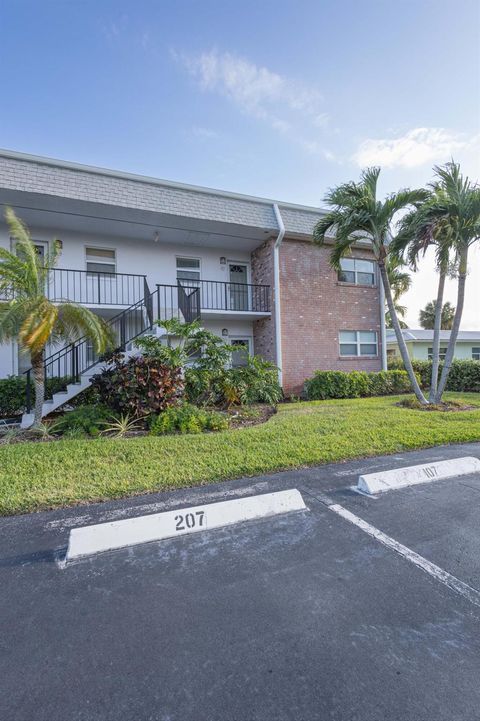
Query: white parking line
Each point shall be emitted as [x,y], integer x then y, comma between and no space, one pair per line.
[471,594]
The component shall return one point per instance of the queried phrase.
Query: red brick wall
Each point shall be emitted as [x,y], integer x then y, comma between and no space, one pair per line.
[264,329]
[314,307]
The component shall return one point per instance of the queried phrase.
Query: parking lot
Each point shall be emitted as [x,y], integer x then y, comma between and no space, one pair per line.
[296,617]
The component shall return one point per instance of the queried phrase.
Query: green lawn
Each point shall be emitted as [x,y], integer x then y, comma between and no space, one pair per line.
[36,476]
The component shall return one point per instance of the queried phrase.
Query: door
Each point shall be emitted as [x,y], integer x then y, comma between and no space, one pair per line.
[238,287]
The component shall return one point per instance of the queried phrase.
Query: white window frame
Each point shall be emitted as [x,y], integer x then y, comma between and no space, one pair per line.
[356,272]
[193,270]
[99,261]
[247,338]
[358,344]
[443,351]
[476,352]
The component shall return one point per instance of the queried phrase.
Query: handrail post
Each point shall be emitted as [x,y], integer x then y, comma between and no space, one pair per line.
[73,369]
[28,392]
[98,287]
[122,332]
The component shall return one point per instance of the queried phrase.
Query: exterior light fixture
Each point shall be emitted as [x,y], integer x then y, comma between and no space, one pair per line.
[156,236]
[225,332]
[223,260]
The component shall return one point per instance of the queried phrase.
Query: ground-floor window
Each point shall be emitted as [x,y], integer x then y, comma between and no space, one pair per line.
[476,353]
[442,353]
[241,349]
[358,343]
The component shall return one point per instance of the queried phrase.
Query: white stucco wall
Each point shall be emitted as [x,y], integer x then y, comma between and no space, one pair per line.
[155,260]
[419,349]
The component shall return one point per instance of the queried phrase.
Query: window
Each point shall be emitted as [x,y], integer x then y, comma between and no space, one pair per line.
[358,343]
[100,260]
[476,353]
[241,349]
[354,270]
[188,269]
[442,353]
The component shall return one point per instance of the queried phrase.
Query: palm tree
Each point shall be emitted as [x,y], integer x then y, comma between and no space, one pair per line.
[449,219]
[29,316]
[456,211]
[427,316]
[400,281]
[357,214]
[418,231]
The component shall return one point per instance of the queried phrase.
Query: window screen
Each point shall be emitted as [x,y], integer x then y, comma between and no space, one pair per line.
[100,260]
[354,270]
[188,269]
[358,343]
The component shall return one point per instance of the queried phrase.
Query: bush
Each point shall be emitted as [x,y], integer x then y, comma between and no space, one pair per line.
[464,374]
[256,382]
[188,419]
[356,384]
[138,386]
[89,420]
[13,393]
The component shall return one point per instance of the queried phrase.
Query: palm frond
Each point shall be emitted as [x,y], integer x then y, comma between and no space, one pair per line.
[37,327]
[75,321]
[25,250]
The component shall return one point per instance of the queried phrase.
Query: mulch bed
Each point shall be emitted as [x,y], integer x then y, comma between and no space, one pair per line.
[242,417]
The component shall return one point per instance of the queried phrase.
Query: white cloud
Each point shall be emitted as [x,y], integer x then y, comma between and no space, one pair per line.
[290,107]
[205,133]
[416,147]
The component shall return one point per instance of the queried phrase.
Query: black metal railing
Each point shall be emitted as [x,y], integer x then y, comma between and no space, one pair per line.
[184,301]
[95,288]
[178,301]
[69,363]
[221,295]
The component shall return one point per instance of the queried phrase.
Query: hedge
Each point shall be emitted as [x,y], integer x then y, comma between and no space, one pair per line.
[356,384]
[13,393]
[464,374]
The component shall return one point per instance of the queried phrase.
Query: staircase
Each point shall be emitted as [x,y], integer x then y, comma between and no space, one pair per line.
[75,364]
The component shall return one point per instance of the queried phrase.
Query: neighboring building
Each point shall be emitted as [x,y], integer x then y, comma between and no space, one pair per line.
[420,344]
[135,249]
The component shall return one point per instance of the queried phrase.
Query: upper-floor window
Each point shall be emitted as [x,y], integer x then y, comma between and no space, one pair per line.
[442,354]
[100,260]
[358,343]
[354,270]
[476,353]
[188,269]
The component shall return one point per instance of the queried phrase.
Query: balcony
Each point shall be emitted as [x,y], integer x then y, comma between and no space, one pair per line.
[94,288]
[213,299]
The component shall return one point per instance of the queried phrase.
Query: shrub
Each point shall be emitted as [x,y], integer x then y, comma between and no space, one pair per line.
[138,386]
[356,384]
[89,420]
[13,393]
[188,419]
[464,374]
[12,396]
[256,382]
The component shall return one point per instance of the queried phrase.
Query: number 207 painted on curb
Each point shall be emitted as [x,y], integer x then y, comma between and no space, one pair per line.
[190,520]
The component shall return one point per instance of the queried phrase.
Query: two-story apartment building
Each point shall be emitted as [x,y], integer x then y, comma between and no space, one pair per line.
[136,248]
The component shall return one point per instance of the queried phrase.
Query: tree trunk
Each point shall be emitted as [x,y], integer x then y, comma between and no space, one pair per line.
[38,373]
[398,332]
[462,277]
[437,325]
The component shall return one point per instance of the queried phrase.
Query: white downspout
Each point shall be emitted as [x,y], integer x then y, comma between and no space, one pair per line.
[276,291]
[383,334]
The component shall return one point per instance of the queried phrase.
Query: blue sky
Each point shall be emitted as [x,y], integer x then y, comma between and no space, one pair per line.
[281,99]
